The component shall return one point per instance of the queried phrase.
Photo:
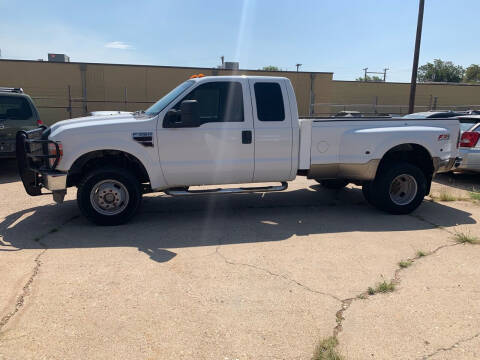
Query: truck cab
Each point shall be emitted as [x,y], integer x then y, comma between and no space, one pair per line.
[232,139]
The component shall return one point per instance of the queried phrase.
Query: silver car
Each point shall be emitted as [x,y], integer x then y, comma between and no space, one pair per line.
[469,146]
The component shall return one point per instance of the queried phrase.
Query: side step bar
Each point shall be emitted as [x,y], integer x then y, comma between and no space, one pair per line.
[182,192]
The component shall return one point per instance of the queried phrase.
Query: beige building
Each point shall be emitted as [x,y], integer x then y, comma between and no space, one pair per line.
[64,90]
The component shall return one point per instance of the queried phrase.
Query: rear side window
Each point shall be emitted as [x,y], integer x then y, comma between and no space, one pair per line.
[15,108]
[220,101]
[269,99]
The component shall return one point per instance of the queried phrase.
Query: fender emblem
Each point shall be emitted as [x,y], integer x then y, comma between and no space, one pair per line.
[144,138]
[443,137]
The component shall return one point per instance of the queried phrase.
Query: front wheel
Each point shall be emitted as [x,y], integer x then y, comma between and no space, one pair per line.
[109,196]
[398,188]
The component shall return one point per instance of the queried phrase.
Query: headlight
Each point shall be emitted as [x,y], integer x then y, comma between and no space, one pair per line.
[52,151]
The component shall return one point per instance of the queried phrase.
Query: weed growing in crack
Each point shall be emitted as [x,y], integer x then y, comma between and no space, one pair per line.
[325,350]
[421,253]
[405,263]
[382,287]
[54,230]
[466,238]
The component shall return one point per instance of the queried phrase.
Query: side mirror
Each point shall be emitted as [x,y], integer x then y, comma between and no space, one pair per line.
[187,116]
[172,119]
[189,113]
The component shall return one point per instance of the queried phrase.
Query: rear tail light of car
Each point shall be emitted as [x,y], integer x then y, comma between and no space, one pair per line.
[39,122]
[469,139]
[52,151]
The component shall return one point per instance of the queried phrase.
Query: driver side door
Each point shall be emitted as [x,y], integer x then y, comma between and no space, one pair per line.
[220,150]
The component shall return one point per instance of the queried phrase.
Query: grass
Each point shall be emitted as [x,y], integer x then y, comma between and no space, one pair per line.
[421,253]
[382,287]
[405,263]
[464,238]
[325,350]
[446,196]
[54,230]
[474,195]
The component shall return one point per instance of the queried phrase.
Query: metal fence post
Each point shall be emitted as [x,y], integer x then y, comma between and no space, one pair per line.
[69,101]
[312,95]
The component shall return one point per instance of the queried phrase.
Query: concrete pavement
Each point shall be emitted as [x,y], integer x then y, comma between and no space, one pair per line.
[235,277]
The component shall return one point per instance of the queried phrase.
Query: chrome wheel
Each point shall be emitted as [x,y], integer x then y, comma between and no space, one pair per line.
[403,189]
[109,197]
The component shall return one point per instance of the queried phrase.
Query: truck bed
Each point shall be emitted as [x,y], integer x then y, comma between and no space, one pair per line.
[352,148]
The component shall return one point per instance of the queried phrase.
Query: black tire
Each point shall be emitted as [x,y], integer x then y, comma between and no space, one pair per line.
[334,184]
[127,184]
[382,190]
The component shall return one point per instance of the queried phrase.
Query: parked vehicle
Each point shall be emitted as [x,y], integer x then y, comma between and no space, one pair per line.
[433,114]
[17,112]
[469,146]
[231,130]
[348,113]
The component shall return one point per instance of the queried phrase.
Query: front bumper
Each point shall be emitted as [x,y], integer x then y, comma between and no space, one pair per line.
[445,165]
[33,163]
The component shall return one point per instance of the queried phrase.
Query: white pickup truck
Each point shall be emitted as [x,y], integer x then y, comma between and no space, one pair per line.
[231,130]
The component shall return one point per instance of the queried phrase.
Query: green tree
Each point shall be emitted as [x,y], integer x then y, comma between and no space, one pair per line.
[369,78]
[440,71]
[271,68]
[472,74]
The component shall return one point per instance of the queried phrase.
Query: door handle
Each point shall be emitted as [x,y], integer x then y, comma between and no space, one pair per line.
[246,137]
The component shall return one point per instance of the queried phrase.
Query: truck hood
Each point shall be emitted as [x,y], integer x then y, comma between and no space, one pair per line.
[91,120]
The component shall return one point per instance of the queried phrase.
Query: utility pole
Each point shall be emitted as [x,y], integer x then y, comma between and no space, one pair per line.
[298,65]
[365,77]
[413,83]
[385,74]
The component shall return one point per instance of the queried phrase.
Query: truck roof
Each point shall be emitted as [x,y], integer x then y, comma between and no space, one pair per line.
[231,77]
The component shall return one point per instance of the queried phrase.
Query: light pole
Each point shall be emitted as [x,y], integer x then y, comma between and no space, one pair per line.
[298,65]
[413,82]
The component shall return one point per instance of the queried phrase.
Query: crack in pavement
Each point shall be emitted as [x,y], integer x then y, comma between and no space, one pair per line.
[305,287]
[455,345]
[26,288]
[396,279]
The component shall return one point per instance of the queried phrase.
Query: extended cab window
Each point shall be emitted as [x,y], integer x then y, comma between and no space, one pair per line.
[269,99]
[220,101]
[15,108]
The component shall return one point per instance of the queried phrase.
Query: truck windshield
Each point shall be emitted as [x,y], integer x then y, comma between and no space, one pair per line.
[167,99]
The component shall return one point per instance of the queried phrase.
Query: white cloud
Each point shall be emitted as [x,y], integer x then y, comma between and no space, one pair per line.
[81,46]
[118,45]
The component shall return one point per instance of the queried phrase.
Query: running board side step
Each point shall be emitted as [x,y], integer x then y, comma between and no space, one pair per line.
[182,192]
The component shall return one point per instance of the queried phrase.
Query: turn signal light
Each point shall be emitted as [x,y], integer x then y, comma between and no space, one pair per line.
[52,150]
[469,139]
[39,122]
[197,76]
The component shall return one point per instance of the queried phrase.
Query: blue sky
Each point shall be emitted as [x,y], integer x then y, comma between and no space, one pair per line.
[342,36]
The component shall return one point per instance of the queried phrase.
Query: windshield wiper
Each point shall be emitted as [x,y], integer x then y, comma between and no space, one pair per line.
[139,112]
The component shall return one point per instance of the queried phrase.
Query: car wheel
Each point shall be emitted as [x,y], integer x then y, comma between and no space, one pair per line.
[398,188]
[109,196]
[334,184]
